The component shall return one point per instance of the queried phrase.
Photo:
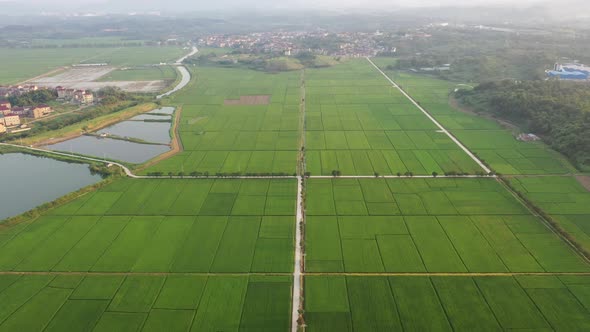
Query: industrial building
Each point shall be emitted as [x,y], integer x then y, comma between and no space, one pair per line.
[569,71]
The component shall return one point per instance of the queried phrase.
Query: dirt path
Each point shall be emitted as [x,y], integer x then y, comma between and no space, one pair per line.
[176,144]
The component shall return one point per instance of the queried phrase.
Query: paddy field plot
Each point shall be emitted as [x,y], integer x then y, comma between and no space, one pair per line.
[545,303]
[564,199]
[144,303]
[358,124]
[17,65]
[234,226]
[493,144]
[427,225]
[221,136]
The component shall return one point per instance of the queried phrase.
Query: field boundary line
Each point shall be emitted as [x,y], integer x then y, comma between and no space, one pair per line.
[296,296]
[443,274]
[147,274]
[443,129]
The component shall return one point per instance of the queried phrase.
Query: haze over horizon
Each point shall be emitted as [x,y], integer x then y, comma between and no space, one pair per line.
[176,5]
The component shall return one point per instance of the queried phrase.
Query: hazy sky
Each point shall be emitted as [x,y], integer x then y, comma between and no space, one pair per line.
[284,4]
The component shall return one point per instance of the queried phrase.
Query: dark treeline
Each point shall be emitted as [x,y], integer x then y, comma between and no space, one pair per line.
[556,110]
[33,98]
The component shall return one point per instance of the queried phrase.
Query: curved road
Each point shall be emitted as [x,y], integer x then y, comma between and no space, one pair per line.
[186,75]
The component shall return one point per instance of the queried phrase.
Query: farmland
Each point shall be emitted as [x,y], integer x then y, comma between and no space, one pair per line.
[18,65]
[147,303]
[427,225]
[220,135]
[379,254]
[157,225]
[346,303]
[358,124]
[495,145]
[564,198]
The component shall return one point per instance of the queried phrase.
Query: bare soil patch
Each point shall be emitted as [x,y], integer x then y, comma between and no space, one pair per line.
[584,181]
[85,79]
[249,100]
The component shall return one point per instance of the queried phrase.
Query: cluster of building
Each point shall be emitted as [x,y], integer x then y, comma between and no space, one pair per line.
[569,71]
[16,90]
[349,44]
[10,117]
[75,96]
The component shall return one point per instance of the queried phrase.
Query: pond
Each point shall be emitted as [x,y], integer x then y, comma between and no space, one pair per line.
[123,150]
[109,148]
[29,181]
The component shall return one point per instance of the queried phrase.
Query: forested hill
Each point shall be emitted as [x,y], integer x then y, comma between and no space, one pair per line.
[558,111]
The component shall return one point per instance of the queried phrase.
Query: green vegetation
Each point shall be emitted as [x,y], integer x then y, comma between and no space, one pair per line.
[493,143]
[427,225]
[356,123]
[446,303]
[157,225]
[226,127]
[17,65]
[33,98]
[558,111]
[149,303]
[261,62]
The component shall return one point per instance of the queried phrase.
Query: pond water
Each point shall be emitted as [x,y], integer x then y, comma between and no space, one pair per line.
[120,150]
[29,181]
[112,149]
[153,132]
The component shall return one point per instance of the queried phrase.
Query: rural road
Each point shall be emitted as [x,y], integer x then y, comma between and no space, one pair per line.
[186,75]
[442,129]
[297,273]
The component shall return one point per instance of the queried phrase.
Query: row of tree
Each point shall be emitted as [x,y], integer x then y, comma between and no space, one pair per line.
[33,98]
[558,111]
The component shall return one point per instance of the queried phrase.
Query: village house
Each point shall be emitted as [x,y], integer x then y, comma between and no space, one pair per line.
[5,103]
[83,97]
[40,111]
[21,111]
[2,128]
[5,110]
[11,120]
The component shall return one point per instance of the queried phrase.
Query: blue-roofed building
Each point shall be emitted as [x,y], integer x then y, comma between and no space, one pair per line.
[570,71]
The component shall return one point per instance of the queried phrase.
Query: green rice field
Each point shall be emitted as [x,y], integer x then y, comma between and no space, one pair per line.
[380,254]
[414,303]
[238,138]
[17,65]
[427,225]
[564,198]
[495,145]
[143,303]
[356,123]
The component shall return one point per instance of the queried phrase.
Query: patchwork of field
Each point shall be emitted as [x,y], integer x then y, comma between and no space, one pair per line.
[532,303]
[17,65]
[144,303]
[495,145]
[427,225]
[162,226]
[241,138]
[564,198]
[356,123]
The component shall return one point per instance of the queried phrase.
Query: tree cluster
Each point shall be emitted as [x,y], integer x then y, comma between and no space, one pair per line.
[558,111]
[33,98]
